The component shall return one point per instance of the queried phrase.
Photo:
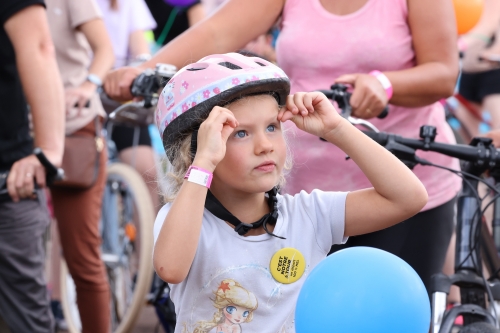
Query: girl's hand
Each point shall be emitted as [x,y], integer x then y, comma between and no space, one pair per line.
[311,112]
[212,137]
[369,98]
[79,96]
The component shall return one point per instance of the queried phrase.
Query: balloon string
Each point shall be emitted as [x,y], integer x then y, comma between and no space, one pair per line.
[168,26]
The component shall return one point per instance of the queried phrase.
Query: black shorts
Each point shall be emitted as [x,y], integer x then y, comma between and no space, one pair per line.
[475,87]
[123,136]
[422,240]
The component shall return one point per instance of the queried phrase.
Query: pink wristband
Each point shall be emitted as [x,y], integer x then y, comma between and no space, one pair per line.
[386,84]
[199,176]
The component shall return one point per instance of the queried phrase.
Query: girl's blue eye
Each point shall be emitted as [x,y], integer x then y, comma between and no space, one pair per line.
[230,309]
[271,128]
[240,134]
[245,314]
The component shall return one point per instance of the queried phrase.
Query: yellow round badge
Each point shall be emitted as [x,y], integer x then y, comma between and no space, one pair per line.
[287,265]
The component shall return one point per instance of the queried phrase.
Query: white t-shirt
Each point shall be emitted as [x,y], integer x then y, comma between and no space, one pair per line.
[132,15]
[226,261]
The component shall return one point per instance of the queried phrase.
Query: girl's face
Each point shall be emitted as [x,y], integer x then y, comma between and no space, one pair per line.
[236,314]
[256,150]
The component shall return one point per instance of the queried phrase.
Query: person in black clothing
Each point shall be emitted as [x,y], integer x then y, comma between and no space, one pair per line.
[28,75]
[171,21]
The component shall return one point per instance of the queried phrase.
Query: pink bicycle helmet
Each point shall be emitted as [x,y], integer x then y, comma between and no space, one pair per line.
[215,80]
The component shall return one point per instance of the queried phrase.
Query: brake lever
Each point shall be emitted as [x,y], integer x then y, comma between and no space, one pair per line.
[134,113]
[361,122]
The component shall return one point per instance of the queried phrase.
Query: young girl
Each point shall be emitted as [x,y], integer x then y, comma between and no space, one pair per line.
[239,152]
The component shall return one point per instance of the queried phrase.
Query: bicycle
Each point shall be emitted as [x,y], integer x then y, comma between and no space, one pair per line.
[460,129]
[127,218]
[473,237]
[463,115]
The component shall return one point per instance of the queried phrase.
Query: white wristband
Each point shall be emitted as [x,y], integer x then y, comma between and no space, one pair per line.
[94,79]
[199,176]
[386,84]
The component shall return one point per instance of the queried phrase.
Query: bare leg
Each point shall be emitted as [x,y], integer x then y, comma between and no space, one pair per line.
[491,104]
[142,159]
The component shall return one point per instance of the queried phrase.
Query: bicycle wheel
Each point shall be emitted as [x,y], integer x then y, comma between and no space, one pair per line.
[127,245]
[479,327]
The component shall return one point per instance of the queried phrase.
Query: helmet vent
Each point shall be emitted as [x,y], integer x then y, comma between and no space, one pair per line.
[194,69]
[260,64]
[229,65]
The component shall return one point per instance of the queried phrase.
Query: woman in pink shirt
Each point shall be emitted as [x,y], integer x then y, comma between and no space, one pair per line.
[413,42]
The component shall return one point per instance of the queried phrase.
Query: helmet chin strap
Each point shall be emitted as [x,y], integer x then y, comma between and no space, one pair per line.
[194,143]
[215,207]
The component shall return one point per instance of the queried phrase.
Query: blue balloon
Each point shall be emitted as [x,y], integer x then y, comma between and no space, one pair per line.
[361,290]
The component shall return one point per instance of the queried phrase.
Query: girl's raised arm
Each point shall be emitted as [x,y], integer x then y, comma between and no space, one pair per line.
[397,193]
[177,241]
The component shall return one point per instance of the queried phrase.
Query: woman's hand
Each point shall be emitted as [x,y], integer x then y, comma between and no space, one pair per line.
[119,81]
[311,112]
[473,47]
[495,136]
[212,137]
[79,96]
[369,98]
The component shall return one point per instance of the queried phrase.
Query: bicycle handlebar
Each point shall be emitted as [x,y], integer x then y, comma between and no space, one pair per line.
[338,93]
[53,173]
[146,86]
[481,150]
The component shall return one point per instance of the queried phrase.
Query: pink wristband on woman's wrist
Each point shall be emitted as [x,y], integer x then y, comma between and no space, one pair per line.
[386,84]
[199,176]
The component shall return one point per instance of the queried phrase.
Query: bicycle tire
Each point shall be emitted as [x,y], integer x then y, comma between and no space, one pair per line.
[145,219]
[479,327]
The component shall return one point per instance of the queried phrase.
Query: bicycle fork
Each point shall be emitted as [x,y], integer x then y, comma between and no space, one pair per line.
[468,269]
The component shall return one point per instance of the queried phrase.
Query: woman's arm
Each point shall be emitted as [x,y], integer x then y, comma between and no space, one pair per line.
[137,44]
[235,24]
[29,34]
[433,77]
[98,38]
[195,14]
[434,40]
[102,61]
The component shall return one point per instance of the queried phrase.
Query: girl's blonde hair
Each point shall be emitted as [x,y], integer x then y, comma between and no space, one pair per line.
[182,159]
[228,293]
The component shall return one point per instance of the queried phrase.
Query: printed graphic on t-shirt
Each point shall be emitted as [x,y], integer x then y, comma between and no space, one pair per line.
[233,307]
[238,299]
